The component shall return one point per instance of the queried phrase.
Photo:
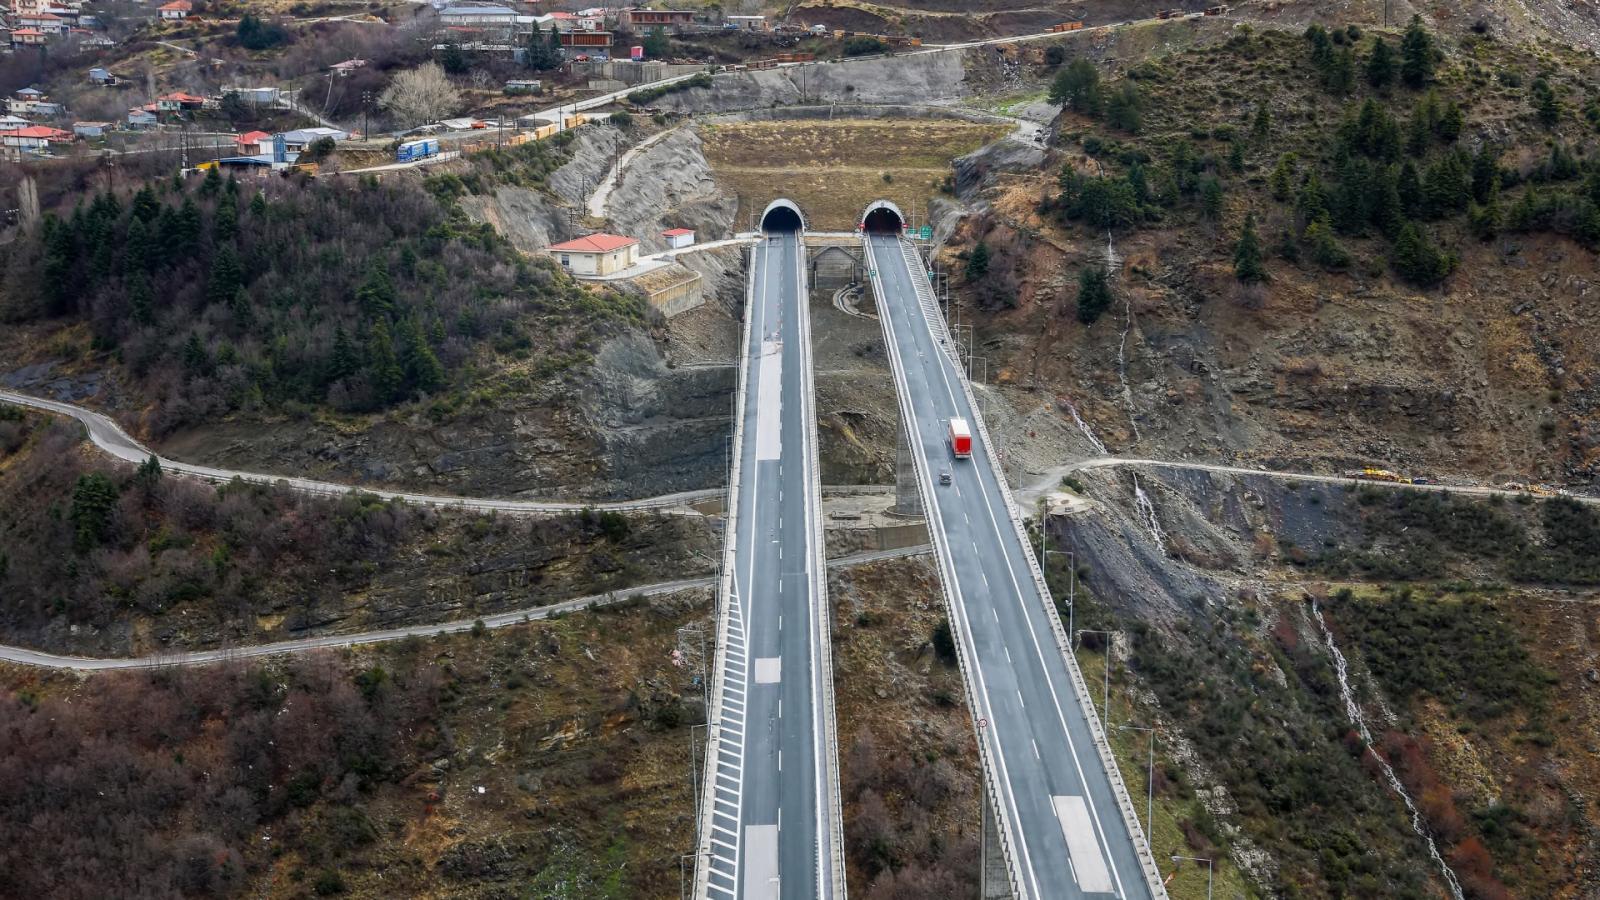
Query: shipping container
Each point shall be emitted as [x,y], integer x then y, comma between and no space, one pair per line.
[415,150]
[960,439]
[636,53]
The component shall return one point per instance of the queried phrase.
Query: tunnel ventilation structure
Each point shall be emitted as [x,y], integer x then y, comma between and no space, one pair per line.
[883,217]
[782,216]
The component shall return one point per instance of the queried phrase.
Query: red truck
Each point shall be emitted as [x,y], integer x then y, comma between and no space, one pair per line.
[960,439]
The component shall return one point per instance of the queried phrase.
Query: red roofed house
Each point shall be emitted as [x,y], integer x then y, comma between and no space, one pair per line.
[43,22]
[179,100]
[678,237]
[176,10]
[249,143]
[27,37]
[597,254]
[34,137]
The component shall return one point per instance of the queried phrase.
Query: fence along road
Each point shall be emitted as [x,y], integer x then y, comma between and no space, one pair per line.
[770,825]
[1066,826]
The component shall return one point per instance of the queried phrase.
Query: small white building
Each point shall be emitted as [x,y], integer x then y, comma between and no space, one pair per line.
[678,238]
[176,11]
[477,17]
[256,96]
[92,129]
[597,254]
[301,138]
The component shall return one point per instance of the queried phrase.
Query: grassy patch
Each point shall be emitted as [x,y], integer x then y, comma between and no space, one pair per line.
[833,169]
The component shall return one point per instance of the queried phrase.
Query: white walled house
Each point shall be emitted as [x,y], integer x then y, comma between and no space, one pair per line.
[678,238]
[597,254]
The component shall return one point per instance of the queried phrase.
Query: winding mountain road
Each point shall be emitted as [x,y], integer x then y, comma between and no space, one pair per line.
[111,438]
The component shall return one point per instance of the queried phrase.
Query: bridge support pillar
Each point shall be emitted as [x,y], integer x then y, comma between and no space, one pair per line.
[993,883]
[907,495]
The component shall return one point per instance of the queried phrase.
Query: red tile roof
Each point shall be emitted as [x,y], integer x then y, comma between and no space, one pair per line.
[251,137]
[183,5]
[38,131]
[181,97]
[596,243]
[677,232]
[32,32]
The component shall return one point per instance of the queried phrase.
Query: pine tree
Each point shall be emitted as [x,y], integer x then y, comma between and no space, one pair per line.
[141,299]
[1235,156]
[1409,185]
[196,361]
[1416,55]
[1546,106]
[1353,197]
[94,499]
[978,262]
[1325,248]
[1125,108]
[1388,212]
[1094,294]
[1339,74]
[212,182]
[422,369]
[377,295]
[1485,173]
[1450,123]
[1247,266]
[1380,65]
[1417,260]
[383,368]
[1312,203]
[344,360]
[258,204]
[244,314]
[225,222]
[1261,127]
[1211,200]
[1138,183]
[1484,220]
[189,225]
[145,205]
[1447,187]
[1281,181]
[225,278]
[1077,87]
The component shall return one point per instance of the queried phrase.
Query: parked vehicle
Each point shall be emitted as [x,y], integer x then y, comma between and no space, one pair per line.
[960,439]
[410,151]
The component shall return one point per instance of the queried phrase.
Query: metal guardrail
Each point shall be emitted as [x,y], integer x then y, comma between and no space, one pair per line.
[702,865]
[132,451]
[947,571]
[1085,701]
[829,757]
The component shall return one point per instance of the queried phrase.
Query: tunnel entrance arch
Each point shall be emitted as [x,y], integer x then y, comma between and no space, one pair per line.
[782,215]
[883,217]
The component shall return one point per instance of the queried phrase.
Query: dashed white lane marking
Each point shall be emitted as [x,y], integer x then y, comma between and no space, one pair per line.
[1035,748]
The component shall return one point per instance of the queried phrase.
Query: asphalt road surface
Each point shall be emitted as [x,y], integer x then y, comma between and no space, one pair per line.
[1066,834]
[769,829]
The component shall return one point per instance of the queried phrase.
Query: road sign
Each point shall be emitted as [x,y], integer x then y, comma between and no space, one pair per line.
[983,723]
[926,232]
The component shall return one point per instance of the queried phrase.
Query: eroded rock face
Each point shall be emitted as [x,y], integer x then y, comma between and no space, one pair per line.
[670,185]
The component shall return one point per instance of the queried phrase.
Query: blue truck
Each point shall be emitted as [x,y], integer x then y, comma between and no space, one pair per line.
[410,151]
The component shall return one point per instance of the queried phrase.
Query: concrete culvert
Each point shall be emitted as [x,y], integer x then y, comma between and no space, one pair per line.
[782,215]
[883,217]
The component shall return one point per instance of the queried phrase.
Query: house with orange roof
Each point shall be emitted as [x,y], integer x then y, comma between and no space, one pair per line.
[596,254]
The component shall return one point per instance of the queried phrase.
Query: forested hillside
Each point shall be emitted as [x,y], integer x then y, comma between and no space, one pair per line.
[213,295]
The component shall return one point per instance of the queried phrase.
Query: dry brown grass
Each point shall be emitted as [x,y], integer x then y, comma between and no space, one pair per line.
[834,169]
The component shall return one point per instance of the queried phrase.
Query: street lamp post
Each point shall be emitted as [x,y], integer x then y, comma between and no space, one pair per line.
[1208,870]
[1072,572]
[1149,782]
[1108,668]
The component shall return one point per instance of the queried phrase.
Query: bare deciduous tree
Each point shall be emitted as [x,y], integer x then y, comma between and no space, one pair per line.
[421,95]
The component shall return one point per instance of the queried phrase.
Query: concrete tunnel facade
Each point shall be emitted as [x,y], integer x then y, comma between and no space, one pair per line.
[883,217]
[782,215]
